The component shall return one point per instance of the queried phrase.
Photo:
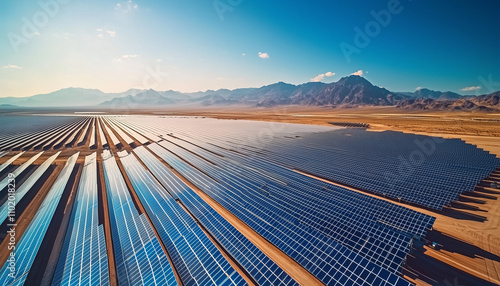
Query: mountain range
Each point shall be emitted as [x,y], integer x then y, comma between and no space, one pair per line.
[351,91]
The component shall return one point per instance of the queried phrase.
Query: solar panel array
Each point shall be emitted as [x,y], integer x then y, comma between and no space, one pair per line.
[328,260]
[83,259]
[262,269]
[254,170]
[21,132]
[196,258]
[423,170]
[140,260]
[19,170]
[28,245]
[25,187]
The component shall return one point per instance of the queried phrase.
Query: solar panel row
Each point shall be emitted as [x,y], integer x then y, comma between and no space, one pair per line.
[28,245]
[21,191]
[396,166]
[262,269]
[328,260]
[419,169]
[10,161]
[83,259]
[19,170]
[196,258]
[99,127]
[25,129]
[139,257]
[294,201]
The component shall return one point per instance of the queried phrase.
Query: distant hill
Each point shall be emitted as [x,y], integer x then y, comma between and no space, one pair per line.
[350,91]
[8,106]
[489,102]
[143,98]
[439,95]
[60,98]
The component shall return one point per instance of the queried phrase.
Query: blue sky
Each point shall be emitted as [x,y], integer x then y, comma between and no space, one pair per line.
[190,45]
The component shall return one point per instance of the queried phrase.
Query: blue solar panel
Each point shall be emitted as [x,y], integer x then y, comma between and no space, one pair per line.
[196,258]
[26,186]
[83,259]
[328,260]
[139,257]
[30,242]
[262,269]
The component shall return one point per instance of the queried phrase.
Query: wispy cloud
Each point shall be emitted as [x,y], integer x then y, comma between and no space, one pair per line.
[102,33]
[359,73]
[127,6]
[471,88]
[263,55]
[12,67]
[125,57]
[322,76]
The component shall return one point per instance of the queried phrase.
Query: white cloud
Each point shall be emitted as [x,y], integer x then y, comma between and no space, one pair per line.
[99,30]
[359,73]
[159,60]
[127,6]
[471,88]
[263,55]
[322,76]
[125,57]
[37,34]
[243,54]
[100,36]
[111,33]
[418,88]
[12,67]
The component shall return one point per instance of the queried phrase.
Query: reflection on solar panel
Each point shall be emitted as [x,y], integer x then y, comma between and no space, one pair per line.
[120,133]
[3,153]
[11,159]
[19,170]
[83,135]
[83,259]
[92,135]
[141,139]
[179,232]
[140,260]
[262,269]
[111,134]
[25,187]
[104,142]
[28,245]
